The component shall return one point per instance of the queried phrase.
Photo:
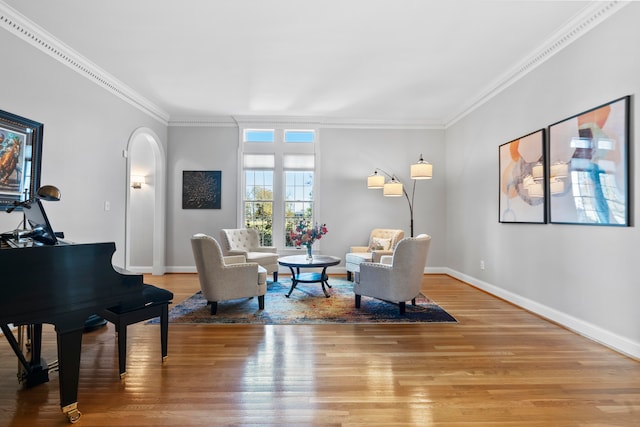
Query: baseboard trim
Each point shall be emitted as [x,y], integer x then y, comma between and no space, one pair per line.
[588,330]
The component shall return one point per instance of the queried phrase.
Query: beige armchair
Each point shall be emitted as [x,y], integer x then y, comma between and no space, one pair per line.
[225,278]
[397,278]
[246,242]
[382,241]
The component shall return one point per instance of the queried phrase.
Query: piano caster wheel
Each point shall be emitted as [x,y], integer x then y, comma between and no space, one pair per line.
[74,416]
[72,413]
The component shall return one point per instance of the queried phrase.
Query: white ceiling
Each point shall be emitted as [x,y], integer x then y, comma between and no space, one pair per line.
[381,60]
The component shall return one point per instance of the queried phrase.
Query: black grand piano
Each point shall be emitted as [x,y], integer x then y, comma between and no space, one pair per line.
[50,281]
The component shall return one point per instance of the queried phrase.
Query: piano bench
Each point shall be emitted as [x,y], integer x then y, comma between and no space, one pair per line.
[156,304]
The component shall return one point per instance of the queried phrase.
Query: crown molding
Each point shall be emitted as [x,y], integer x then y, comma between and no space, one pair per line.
[586,20]
[22,27]
[201,121]
[299,122]
[339,123]
[25,29]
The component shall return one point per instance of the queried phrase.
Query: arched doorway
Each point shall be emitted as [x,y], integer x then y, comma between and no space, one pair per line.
[146,205]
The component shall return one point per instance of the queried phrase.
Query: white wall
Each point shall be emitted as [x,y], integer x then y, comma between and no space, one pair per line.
[350,210]
[198,148]
[86,130]
[586,277]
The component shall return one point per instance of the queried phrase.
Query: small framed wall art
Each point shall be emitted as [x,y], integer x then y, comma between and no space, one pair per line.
[522,180]
[589,166]
[20,154]
[201,189]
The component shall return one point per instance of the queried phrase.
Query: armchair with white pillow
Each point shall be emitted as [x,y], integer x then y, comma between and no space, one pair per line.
[382,241]
[246,242]
[396,278]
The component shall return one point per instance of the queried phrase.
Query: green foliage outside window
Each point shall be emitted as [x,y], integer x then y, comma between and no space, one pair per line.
[258,202]
[258,212]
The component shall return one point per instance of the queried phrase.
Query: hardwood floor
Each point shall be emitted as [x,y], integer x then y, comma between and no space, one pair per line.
[498,366]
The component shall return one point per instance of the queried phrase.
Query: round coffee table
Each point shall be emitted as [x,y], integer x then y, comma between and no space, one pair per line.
[300,261]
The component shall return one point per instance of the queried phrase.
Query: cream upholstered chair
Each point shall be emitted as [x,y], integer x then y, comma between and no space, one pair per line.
[382,241]
[396,278]
[225,278]
[246,241]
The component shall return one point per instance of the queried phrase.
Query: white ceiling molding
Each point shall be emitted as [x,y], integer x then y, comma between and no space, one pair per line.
[298,122]
[25,29]
[218,121]
[337,123]
[278,121]
[588,19]
[22,27]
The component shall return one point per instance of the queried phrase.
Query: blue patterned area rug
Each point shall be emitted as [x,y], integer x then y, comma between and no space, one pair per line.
[307,305]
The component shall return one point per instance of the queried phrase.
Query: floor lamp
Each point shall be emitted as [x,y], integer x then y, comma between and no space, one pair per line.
[395,188]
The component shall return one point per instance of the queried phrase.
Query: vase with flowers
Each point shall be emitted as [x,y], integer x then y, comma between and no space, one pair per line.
[305,235]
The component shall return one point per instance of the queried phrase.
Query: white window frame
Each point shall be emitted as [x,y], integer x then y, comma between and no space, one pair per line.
[278,148]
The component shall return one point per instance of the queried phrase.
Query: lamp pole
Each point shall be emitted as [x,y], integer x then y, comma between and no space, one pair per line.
[413,192]
[419,170]
[406,195]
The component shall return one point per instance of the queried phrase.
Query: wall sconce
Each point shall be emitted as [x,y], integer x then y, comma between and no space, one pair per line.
[394,188]
[137,181]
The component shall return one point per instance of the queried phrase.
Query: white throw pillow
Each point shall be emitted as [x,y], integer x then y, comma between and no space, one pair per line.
[380,244]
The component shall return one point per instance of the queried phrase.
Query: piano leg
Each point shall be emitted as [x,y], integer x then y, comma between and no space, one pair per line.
[69,347]
[38,372]
[34,371]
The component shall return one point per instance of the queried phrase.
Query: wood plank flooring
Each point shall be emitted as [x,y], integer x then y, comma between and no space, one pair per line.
[498,366]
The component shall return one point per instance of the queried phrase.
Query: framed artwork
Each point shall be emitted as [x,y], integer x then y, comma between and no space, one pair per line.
[522,180]
[20,159]
[201,189]
[589,166]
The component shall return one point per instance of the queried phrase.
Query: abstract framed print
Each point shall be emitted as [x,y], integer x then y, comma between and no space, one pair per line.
[589,166]
[201,189]
[522,180]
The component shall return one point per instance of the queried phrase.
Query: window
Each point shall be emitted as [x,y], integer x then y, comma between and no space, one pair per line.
[292,136]
[258,204]
[298,196]
[278,181]
[258,195]
[259,135]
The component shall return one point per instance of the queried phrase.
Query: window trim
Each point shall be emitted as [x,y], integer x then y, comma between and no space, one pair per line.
[278,148]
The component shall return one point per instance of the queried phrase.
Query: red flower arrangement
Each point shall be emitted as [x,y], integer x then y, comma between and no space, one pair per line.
[305,235]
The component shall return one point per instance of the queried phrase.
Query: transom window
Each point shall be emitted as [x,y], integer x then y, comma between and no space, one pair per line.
[259,135]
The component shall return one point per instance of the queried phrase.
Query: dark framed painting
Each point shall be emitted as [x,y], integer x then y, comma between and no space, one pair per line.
[20,159]
[201,189]
[589,166]
[522,180]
